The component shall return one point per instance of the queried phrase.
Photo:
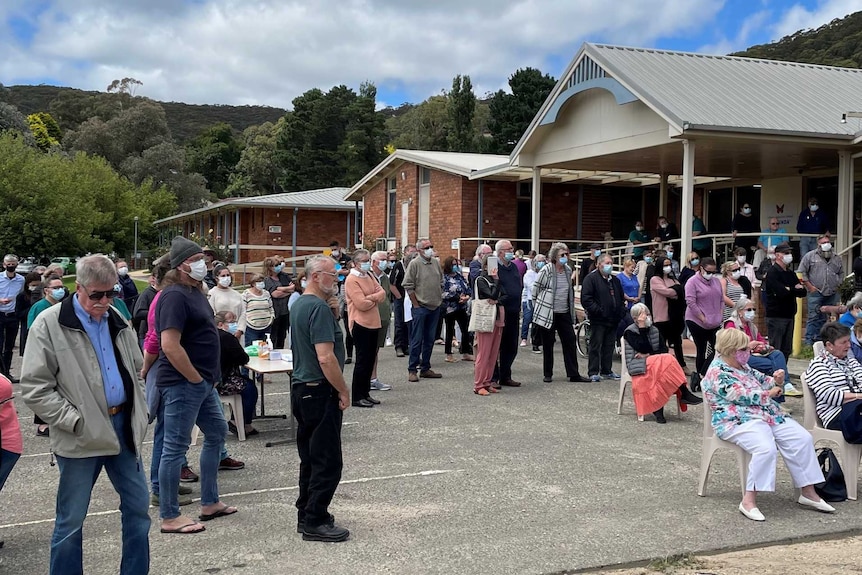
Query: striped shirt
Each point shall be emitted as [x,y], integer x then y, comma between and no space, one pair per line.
[259,312]
[828,378]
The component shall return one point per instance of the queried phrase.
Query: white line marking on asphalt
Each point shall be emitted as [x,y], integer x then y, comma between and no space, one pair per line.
[427,473]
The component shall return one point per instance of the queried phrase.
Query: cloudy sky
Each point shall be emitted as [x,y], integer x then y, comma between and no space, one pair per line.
[270,51]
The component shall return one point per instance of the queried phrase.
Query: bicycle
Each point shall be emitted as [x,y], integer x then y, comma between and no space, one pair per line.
[582,339]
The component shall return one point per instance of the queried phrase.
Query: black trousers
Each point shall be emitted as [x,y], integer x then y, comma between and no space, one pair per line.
[318,441]
[402,335]
[278,330]
[780,332]
[508,345]
[365,340]
[601,348]
[672,333]
[440,320]
[460,316]
[563,326]
[348,337]
[704,340]
[8,333]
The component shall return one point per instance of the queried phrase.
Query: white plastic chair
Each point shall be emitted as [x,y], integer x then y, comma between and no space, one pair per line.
[849,453]
[235,404]
[711,444]
[626,379]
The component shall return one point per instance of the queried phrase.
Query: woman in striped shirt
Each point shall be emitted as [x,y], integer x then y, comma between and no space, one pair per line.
[259,312]
[834,376]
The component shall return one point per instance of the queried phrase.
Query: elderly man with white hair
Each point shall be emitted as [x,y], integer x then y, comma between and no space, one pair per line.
[509,278]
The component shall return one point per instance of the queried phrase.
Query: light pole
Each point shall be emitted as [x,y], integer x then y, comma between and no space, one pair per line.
[136,242]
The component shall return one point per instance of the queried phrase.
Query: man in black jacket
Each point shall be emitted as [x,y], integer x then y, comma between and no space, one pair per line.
[782,289]
[510,281]
[396,279]
[602,298]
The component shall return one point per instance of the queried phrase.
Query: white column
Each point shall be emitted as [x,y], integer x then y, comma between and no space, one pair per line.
[845,211]
[662,199]
[536,215]
[687,196]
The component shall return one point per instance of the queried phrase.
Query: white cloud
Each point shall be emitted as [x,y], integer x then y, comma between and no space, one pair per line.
[798,17]
[741,40]
[270,51]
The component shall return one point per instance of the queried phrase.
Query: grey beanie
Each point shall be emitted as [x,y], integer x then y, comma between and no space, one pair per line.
[182,249]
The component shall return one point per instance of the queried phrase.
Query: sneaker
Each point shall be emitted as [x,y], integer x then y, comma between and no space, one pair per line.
[329,532]
[536,349]
[610,375]
[348,360]
[188,476]
[230,464]
[182,499]
[430,374]
[595,378]
[412,376]
[388,342]
[791,391]
[185,490]
[523,343]
[379,386]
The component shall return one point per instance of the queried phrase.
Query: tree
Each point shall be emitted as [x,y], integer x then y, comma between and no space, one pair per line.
[45,130]
[424,127]
[214,154]
[257,171]
[461,108]
[11,120]
[511,113]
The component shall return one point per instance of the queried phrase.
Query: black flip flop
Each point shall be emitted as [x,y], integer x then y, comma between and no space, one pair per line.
[180,530]
[224,511]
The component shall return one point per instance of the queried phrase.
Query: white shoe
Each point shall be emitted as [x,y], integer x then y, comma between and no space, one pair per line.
[821,505]
[523,343]
[380,386]
[388,342]
[754,514]
[791,391]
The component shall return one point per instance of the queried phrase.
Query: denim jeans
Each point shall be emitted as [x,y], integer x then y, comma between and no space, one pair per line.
[769,365]
[527,318]
[816,319]
[77,477]
[252,335]
[186,404]
[806,244]
[423,328]
[7,462]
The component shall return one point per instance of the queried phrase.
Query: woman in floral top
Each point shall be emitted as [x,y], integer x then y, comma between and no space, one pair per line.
[744,412]
[456,294]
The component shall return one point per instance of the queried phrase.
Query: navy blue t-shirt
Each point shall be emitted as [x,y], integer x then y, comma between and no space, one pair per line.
[187,310]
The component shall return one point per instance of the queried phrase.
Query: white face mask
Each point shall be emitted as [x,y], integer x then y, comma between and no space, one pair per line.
[826,247]
[740,259]
[735,275]
[429,253]
[648,322]
[224,281]
[639,228]
[749,315]
[771,256]
[813,207]
[197,270]
[123,270]
[260,285]
[788,259]
[663,226]
[707,275]
[666,269]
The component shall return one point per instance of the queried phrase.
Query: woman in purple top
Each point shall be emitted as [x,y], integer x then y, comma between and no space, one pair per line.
[705,302]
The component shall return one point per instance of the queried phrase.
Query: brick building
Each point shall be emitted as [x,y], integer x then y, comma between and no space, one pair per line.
[294,224]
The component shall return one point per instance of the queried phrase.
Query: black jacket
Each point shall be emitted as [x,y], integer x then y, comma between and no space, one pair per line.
[603,298]
[489,288]
[781,294]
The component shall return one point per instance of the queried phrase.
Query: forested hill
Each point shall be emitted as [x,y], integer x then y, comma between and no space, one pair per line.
[185,120]
[838,43]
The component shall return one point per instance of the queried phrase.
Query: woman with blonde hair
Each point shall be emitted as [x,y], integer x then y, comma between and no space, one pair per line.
[733,286]
[744,412]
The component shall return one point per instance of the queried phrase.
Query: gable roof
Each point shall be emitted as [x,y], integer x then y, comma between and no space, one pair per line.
[460,163]
[726,93]
[322,199]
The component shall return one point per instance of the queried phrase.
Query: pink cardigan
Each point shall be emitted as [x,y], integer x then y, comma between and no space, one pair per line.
[9,427]
[363,293]
[661,292]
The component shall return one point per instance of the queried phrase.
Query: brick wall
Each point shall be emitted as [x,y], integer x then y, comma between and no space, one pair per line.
[499,209]
[374,213]
[596,217]
[315,228]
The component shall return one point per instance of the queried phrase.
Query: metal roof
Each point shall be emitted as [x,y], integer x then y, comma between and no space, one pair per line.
[700,91]
[323,199]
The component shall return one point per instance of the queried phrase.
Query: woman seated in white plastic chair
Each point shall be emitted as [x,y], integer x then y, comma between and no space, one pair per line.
[656,374]
[834,376]
[744,412]
[233,357]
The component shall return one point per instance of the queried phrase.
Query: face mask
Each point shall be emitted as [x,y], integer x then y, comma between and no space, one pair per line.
[509,256]
[335,253]
[742,356]
[597,253]
[456,268]
[231,327]
[197,270]
[740,259]
[429,253]
[123,271]
[260,285]
[11,269]
[670,254]
[540,265]
[303,284]
[648,259]
[639,228]
[663,226]
[749,315]
[787,259]
[224,281]
[383,265]
[735,275]
[391,263]
[607,269]
[648,322]
[666,269]
[695,262]
[813,207]
[859,314]
[707,276]
[563,260]
[58,293]
[277,269]
[827,247]
[746,211]
[33,288]
[365,266]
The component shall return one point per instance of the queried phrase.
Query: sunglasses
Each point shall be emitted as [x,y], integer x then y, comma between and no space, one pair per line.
[98,295]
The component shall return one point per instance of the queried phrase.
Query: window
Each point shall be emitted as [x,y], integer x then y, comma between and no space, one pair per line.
[425,176]
[392,203]
[525,190]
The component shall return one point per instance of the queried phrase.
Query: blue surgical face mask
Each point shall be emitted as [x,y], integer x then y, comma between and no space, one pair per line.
[509,256]
[383,265]
[648,259]
[303,284]
[563,260]
[597,253]
[540,265]
[456,268]
[58,293]
[278,268]
[365,266]
[695,262]
[232,327]
[607,269]
[670,254]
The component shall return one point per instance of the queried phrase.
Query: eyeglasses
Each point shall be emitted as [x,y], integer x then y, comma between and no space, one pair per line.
[332,274]
[749,309]
[98,295]
[773,223]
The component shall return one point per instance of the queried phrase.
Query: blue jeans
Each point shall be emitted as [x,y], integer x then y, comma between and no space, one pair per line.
[184,405]
[423,329]
[77,477]
[769,365]
[807,244]
[816,319]
[526,318]
[7,462]
[252,335]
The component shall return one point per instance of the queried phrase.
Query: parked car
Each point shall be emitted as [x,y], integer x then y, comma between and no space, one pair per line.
[26,265]
[68,264]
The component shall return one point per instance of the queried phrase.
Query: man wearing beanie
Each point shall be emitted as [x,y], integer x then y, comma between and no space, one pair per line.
[187,370]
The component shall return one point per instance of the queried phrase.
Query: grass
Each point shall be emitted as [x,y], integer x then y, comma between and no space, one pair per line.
[671,563]
[806,353]
[69,282]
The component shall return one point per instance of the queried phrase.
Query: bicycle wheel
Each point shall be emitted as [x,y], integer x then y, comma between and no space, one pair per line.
[582,338]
